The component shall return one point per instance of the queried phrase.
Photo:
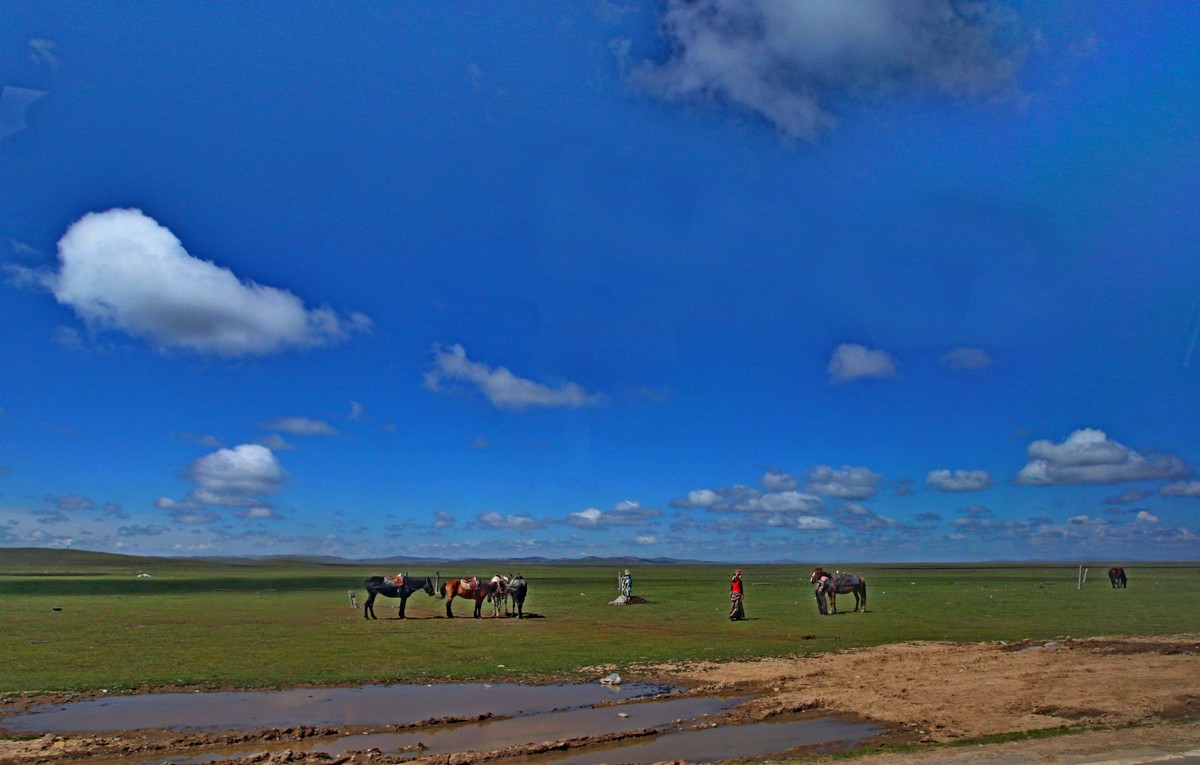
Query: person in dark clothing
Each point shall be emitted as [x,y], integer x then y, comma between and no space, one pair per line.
[736,611]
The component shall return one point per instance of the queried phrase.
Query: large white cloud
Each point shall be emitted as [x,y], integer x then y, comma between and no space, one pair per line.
[627,513]
[1090,456]
[958,480]
[787,60]
[521,522]
[240,477]
[121,270]
[847,483]
[853,362]
[504,389]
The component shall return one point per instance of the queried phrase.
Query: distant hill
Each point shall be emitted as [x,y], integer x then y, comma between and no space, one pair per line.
[26,559]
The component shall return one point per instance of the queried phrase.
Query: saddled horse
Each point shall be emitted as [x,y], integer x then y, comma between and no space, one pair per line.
[517,589]
[838,583]
[398,586]
[1116,576]
[471,589]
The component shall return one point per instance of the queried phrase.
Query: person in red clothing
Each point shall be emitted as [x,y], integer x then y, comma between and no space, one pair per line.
[736,611]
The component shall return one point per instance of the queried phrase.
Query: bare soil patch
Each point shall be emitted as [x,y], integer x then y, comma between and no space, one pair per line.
[1131,689]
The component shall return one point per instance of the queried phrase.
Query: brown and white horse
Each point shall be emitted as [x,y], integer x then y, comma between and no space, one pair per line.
[838,583]
[470,589]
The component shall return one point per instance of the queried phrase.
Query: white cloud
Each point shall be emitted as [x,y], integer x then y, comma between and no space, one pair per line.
[44,51]
[121,270]
[777,480]
[239,477]
[846,483]
[1181,489]
[504,389]
[853,362]
[1146,517]
[1128,496]
[442,520]
[959,480]
[1089,456]
[622,514]
[699,498]
[967,358]
[645,539]
[356,411]
[519,522]
[301,426]
[276,443]
[789,60]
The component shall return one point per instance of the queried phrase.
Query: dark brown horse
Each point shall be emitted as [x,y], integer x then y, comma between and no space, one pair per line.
[471,589]
[838,583]
[1116,576]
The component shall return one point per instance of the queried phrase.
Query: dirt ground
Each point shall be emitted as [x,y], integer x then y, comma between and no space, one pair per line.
[1125,694]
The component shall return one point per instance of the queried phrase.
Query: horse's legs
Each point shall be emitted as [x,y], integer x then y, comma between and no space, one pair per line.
[369,605]
[478,605]
[833,601]
[449,613]
[403,603]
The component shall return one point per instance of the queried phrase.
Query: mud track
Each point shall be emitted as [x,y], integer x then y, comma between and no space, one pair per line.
[1109,690]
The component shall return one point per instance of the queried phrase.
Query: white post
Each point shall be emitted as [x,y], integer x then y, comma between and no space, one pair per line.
[1079,581]
[1085,575]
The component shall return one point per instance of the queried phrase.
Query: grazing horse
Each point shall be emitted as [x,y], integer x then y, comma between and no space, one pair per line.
[471,589]
[1116,576]
[398,586]
[517,589]
[839,583]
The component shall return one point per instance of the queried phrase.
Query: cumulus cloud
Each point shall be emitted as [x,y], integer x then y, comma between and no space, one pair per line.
[958,480]
[846,483]
[778,509]
[120,270]
[301,426]
[150,530]
[622,514]
[645,539]
[443,520]
[521,522]
[789,61]
[72,502]
[854,362]
[500,386]
[1146,517]
[240,477]
[1181,489]
[777,480]
[14,105]
[863,518]
[1090,456]
[967,358]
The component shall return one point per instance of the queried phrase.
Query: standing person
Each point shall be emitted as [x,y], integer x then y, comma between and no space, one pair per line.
[736,612]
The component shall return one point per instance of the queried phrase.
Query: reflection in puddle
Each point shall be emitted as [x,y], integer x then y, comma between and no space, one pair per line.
[725,742]
[330,707]
[554,726]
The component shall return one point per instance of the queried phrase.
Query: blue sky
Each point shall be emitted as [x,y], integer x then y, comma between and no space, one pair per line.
[744,280]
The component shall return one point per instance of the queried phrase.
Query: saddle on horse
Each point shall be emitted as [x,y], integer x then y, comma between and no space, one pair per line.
[396,581]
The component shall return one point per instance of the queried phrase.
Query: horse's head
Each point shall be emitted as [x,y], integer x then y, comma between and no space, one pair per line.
[428,588]
[817,573]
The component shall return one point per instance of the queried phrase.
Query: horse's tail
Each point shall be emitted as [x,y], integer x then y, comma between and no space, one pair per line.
[442,590]
[863,583]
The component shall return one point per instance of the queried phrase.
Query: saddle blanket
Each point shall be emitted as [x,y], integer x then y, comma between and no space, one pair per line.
[396,581]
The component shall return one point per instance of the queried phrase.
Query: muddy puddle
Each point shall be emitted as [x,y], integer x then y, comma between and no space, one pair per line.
[322,707]
[724,743]
[634,726]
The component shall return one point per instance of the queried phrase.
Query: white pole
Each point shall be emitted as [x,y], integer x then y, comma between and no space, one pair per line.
[1085,576]
[1079,581]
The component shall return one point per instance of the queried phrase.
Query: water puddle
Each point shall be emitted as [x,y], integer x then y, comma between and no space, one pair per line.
[373,705]
[530,715]
[724,743]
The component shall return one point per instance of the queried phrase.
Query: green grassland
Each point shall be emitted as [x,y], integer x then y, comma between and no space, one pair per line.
[287,623]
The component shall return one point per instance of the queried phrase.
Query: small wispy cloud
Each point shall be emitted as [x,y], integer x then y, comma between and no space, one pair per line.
[500,386]
[967,358]
[958,480]
[855,362]
[301,426]
[45,52]
[14,107]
